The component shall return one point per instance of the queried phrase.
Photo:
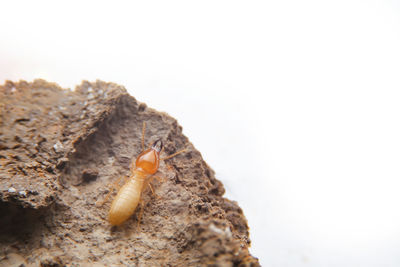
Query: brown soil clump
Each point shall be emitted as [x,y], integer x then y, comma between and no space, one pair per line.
[59,151]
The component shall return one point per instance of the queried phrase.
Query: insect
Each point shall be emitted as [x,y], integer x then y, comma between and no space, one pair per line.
[142,171]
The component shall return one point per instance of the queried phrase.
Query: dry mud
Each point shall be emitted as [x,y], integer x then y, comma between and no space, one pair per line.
[59,151]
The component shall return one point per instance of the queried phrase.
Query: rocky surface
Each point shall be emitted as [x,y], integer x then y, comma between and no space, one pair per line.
[60,150]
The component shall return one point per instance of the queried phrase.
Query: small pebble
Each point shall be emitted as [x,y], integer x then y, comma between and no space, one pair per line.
[58,146]
[22,193]
[227,232]
[12,190]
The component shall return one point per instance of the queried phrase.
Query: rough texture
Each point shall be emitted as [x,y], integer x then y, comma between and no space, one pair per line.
[60,150]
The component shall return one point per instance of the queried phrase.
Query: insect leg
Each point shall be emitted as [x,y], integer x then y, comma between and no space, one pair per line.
[152,189]
[173,155]
[111,186]
[148,183]
[160,179]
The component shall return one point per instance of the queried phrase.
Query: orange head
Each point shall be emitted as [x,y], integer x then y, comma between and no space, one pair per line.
[149,160]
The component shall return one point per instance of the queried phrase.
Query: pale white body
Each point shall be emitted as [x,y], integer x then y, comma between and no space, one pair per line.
[127,199]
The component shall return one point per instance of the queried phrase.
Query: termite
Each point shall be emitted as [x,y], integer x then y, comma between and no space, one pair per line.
[142,170]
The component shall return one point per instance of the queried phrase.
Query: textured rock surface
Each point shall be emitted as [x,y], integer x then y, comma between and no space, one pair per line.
[59,151]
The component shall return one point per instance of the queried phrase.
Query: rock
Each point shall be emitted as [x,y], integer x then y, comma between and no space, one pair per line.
[60,150]
[12,260]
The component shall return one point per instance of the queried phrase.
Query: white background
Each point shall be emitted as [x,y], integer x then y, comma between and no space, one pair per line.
[295,104]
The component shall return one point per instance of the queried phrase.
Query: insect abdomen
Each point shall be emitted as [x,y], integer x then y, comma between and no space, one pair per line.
[126,201]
